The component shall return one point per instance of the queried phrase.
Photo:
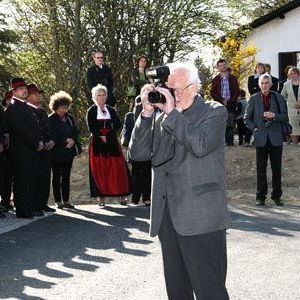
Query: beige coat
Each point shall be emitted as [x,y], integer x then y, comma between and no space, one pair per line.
[293,113]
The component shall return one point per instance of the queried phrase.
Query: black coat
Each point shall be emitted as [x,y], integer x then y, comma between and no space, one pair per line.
[2,124]
[275,84]
[24,129]
[47,134]
[254,88]
[61,131]
[96,75]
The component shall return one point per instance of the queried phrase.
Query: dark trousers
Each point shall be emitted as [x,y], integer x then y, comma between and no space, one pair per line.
[193,264]
[262,154]
[229,133]
[61,172]
[243,132]
[43,181]
[6,179]
[24,183]
[141,180]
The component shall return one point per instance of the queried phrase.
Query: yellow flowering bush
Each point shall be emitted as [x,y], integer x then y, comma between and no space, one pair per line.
[240,57]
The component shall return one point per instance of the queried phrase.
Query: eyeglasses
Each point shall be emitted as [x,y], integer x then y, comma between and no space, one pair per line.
[98,57]
[180,90]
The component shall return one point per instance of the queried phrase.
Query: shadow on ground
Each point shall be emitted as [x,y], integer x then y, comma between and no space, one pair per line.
[268,220]
[67,241]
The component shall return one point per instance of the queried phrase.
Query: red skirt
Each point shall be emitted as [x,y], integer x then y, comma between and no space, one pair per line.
[110,174]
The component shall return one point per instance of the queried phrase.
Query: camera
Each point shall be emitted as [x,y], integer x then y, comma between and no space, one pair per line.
[160,76]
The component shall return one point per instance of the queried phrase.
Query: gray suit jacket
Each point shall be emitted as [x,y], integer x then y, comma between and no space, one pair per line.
[254,119]
[188,166]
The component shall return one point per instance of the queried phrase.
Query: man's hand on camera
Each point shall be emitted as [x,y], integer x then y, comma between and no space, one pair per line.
[148,108]
[170,101]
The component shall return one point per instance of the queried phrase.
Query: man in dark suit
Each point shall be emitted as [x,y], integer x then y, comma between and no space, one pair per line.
[225,89]
[264,114]
[275,81]
[1,155]
[101,73]
[43,157]
[25,142]
[7,160]
[188,210]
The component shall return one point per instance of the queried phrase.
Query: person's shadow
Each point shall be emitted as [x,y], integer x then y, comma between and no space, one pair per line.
[64,240]
[280,222]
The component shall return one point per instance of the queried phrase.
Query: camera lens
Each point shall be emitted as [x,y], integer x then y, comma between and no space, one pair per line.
[156,97]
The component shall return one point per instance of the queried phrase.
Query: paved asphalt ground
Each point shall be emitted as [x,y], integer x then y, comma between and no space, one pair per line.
[92,253]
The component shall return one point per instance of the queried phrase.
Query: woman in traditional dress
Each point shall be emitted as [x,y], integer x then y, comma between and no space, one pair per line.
[109,175]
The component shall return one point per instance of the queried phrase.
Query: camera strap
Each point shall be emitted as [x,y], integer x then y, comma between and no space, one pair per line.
[168,155]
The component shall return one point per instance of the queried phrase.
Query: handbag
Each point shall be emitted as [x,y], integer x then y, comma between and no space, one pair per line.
[286,127]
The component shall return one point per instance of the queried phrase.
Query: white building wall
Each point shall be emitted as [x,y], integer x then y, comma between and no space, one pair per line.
[278,35]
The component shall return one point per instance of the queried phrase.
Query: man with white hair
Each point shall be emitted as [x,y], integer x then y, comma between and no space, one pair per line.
[188,210]
[265,113]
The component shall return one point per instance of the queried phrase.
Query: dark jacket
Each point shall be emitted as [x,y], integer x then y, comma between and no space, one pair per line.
[24,129]
[61,131]
[275,84]
[96,75]
[255,121]
[127,128]
[253,87]
[47,134]
[234,91]
[111,147]
[2,124]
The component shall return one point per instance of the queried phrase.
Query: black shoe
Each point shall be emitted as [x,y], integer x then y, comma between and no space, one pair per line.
[3,209]
[24,216]
[260,202]
[59,205]
[147,203]
[68,205]
[101,204]
[38,213]
[278,202]
[48,209]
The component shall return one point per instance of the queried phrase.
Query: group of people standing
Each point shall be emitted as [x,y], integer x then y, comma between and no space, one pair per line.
[266,115]
[105,154]
[31,143]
